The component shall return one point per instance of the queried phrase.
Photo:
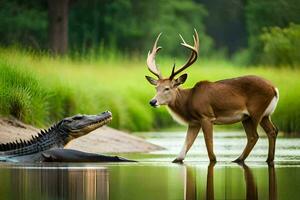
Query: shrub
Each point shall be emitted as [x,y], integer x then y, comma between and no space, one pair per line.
[281,46]
[266,14]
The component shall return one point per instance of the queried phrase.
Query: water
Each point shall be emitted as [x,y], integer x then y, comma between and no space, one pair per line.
[155,177]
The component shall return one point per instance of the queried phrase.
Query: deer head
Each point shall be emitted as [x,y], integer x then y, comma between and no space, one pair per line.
[166,87]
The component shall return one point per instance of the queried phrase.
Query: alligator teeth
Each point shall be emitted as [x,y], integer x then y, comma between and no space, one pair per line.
[100,123]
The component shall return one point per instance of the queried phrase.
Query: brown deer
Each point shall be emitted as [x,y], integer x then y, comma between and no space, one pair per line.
[247,99]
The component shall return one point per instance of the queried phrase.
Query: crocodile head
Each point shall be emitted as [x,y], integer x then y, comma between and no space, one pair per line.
[80,125]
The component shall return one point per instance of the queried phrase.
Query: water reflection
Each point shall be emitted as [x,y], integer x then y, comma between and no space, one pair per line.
[251,193]
[150,181]
[210,181]
[272,183]
[55,183]
[251,187]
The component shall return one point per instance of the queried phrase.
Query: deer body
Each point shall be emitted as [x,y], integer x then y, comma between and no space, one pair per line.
[223,102]
[248,99]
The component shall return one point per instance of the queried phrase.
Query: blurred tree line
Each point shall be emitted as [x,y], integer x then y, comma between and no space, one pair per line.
[263,15]
[233,27]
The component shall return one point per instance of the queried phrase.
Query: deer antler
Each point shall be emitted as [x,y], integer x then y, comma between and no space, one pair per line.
[193,56]
[151,59]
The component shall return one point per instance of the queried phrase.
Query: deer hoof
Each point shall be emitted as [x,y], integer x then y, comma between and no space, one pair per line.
[177,161]
[270,162]
[238,160]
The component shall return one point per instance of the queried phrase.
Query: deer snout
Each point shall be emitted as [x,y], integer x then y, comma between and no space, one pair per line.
[153,102]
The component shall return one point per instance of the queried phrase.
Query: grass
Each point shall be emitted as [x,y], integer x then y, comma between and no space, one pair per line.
[39,89]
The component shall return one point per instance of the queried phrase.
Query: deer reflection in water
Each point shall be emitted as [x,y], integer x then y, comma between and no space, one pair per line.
[191,186]
[59,183]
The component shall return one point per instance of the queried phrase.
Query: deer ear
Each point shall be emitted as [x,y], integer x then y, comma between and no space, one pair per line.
[180,80]
[151,80]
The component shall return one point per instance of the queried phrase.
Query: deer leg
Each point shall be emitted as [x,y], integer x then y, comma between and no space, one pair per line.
[207,127]
[189,140]
[250,128]
[271,132]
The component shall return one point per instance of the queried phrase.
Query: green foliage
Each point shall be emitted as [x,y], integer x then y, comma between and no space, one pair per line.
[265,14]
[21,96]
[23,22]
[128,26]
[241,57]
[282,45]
[131,25]
[41,90]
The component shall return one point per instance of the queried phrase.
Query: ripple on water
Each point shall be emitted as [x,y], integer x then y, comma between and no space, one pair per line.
[227,146]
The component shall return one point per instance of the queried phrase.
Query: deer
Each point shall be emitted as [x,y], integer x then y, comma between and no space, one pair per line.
[248,99]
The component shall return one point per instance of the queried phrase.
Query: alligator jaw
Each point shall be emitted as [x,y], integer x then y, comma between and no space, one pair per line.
[88,123]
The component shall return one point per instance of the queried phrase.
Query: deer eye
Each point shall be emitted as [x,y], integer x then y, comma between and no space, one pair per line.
[166,89]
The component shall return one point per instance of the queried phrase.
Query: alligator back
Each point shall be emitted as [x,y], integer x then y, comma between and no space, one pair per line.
[45,140]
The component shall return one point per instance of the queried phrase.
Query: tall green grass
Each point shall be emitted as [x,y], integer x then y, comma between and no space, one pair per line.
[21,95]
[40,89]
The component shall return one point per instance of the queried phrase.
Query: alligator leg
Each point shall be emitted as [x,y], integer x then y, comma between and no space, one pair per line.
[70,155]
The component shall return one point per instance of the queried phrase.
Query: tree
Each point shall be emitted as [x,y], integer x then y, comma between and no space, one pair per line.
[58,26]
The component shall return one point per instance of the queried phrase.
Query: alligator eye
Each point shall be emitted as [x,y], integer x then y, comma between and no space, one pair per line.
[77,117]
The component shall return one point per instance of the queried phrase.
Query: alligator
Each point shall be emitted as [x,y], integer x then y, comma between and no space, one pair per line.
[48,145]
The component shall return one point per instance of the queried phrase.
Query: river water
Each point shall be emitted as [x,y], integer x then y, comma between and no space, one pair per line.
[154,177]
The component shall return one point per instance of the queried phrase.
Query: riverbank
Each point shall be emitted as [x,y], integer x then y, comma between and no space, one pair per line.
[39,89]
[102,140]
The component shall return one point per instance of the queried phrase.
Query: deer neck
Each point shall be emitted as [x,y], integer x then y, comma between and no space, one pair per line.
[178,108]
